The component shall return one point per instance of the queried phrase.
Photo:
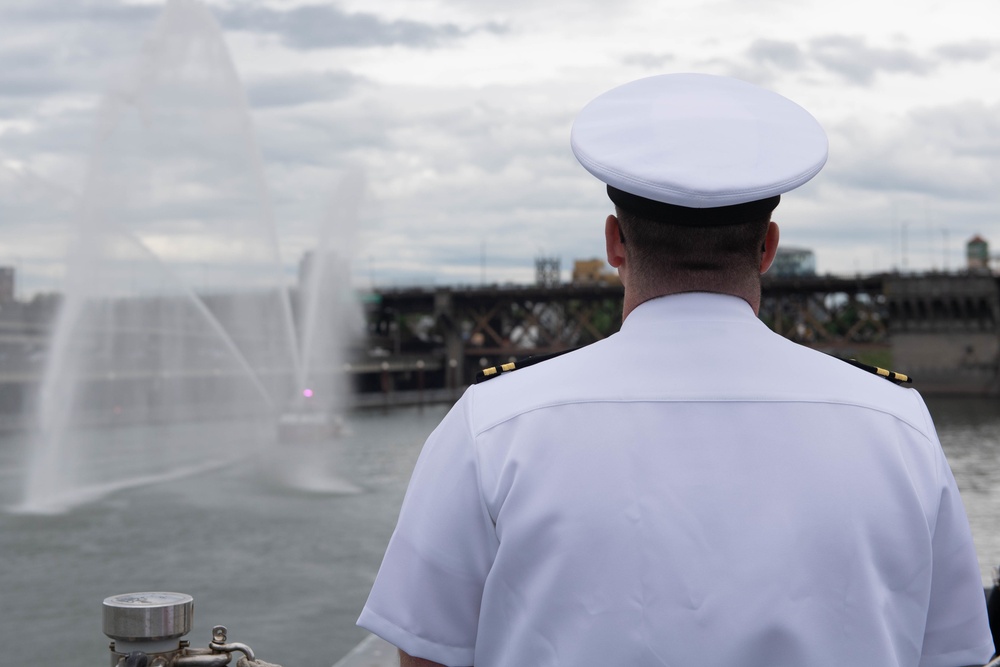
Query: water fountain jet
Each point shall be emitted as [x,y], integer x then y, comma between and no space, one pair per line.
[176,327]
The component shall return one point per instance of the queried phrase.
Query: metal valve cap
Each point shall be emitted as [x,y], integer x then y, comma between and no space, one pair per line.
[147,617]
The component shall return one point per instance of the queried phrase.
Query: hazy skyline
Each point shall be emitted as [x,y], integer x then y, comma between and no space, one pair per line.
[458,116]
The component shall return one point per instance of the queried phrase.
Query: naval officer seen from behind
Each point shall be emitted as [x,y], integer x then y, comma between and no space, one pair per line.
[695,489]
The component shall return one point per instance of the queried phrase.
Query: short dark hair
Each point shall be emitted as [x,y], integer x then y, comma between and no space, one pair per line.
[657,248]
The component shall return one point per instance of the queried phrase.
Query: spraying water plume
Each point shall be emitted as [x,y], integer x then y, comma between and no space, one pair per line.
[176,309]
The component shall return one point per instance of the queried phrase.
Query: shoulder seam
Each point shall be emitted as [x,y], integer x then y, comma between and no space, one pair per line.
[476,431]
[470,422]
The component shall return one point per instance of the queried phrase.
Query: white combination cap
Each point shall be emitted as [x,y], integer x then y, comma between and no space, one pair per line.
[698,141]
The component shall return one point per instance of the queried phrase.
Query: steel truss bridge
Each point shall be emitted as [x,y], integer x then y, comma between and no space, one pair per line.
[455,331]
[437,339]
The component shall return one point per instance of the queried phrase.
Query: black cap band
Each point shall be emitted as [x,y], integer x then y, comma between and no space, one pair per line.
[719,216]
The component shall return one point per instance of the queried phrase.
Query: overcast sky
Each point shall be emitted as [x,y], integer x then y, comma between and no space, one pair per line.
[451,121]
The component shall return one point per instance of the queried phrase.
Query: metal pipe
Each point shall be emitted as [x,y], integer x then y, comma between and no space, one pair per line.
[219,643]
[201,660]
[233,646]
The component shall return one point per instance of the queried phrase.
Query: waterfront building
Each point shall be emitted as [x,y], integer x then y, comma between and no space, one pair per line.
[977,254]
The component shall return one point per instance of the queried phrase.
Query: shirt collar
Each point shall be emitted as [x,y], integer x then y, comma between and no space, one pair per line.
[703,306]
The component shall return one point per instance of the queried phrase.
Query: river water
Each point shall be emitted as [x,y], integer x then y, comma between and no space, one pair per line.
[286,569]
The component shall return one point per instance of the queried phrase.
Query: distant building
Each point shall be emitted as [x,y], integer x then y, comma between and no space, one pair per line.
[593,271]
[6,284]
[547,271]
[977,254]
[793,262]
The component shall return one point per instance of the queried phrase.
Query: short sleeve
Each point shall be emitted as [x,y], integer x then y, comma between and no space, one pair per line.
[428,591]
[957,630]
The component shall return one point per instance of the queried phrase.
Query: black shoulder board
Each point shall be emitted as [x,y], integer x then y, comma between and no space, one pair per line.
[891,376]
[496,371]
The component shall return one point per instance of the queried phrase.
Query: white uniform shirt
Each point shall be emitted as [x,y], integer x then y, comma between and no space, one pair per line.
[693,490]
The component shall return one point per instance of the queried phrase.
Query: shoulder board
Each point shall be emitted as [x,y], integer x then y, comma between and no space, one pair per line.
[496,371]
[891,376]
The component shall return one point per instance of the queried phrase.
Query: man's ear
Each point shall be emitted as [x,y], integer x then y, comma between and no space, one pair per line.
[770,246]
[614,241]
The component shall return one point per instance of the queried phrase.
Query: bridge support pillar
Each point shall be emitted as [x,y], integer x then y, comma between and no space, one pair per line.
[454,346]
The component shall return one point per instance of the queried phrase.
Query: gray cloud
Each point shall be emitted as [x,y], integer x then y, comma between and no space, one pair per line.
[296,89]
[59,11]
[947,153]
[46,51]
[21,83]
[326,26]
[969,130]
[853,59]
[298,141]
[69,133]
[975,51]
[785,55]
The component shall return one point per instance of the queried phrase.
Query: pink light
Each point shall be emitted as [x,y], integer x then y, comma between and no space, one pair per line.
[307,393]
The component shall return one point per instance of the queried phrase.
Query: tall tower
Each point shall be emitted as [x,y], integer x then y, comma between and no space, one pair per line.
[547,271]
[977,253]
